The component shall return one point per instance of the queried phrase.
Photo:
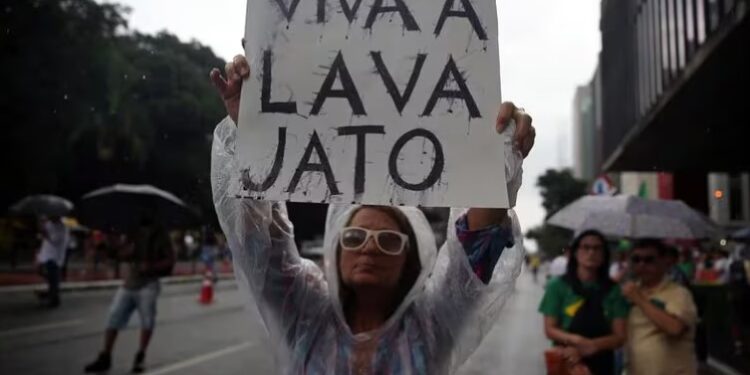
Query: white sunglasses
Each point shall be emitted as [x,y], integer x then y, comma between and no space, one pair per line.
[389,242]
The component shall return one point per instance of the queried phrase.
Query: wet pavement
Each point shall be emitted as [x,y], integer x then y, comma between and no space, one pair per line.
[222,338]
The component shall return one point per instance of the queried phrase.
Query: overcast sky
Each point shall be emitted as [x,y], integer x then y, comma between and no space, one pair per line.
[547,48]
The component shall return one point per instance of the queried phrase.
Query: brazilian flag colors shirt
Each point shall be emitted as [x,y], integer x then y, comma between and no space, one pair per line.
[562,303]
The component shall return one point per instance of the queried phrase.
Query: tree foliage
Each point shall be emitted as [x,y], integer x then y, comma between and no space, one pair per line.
[558,188]
[86,103]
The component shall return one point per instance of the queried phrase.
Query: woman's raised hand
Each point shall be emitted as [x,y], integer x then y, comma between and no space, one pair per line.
[523,139]
[230,85]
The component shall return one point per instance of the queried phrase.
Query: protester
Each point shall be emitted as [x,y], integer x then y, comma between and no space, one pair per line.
[721,265]
[619,268]
[534,263]
[149,256]
[559,264]
[675,273]
[661,323]
[584,311]
[389,303]
[739,269]
[210,253]
[687,263]
[713,269]
[739,295]
[51,257]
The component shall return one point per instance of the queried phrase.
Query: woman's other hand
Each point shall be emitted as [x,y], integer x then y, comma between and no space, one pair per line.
[586,347]
[230,85]
[571,355]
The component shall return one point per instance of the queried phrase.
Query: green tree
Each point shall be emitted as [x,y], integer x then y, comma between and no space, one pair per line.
[87,103]
[558,188]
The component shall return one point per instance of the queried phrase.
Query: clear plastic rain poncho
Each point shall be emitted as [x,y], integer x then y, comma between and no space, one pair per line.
[436,327]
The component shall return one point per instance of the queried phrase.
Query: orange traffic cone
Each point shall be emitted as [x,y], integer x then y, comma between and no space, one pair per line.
[207,290]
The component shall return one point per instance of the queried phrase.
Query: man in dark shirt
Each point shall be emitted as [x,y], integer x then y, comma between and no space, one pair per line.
[150,256]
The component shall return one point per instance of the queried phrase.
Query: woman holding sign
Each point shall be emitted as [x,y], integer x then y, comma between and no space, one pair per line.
[387,302]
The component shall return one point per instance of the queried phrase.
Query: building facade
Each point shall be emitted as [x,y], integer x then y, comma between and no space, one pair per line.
[674,114]
[584,134]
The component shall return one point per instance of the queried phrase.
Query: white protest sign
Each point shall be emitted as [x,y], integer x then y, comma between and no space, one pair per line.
[372,101]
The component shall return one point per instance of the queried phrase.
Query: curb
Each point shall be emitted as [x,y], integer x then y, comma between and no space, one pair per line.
[77,286]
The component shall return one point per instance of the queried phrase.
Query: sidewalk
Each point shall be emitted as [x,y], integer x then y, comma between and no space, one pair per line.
[26,279]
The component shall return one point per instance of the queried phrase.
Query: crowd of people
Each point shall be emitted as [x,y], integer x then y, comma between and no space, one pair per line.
[631,309]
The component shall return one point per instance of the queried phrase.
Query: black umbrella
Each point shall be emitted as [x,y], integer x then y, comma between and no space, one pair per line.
[38,205]
[121,208]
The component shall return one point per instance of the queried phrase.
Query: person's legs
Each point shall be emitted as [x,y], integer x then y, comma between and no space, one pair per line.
[110,336]
[123,305]
[145,339]
[140,356]
[146,304]
[53,282]
[41,270]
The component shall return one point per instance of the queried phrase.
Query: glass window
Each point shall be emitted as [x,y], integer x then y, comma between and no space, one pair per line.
[640,57]
[648,36]
[714,15]
[729,5]
[664,23]
[735,197]
[700,19]
[690,27]
[672,36]
[656,46]
[680,21]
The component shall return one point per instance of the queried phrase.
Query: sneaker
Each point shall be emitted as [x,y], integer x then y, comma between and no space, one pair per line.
[102,364]
[138,366]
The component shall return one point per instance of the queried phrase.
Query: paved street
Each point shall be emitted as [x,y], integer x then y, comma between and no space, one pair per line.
[516,344]
[223,338]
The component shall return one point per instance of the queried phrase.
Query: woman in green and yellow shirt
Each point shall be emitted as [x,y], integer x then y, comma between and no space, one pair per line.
[584,311]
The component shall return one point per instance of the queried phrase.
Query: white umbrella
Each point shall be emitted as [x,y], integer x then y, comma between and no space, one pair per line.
[633,217]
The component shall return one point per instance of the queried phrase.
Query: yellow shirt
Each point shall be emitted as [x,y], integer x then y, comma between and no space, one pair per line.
[651,351]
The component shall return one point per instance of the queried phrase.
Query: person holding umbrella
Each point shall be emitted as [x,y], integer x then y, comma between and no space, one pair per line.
[662,322]
[51,257]
[150,255]
[54,235]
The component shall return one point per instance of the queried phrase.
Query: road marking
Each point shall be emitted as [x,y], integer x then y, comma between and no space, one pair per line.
[723,368]
[199,359]
[40,327]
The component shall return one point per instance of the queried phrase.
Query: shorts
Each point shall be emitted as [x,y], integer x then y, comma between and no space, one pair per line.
[126,301]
